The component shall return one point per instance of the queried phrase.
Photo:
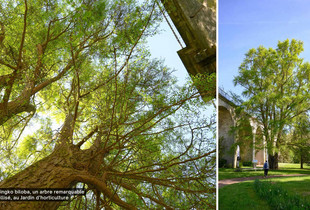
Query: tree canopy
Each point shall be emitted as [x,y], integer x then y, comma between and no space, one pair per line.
[83,104]
[276,87]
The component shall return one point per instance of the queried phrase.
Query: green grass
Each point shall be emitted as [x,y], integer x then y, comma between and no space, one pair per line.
[278,197]
[242,195]
[299,185]
[293,165]
[284,168]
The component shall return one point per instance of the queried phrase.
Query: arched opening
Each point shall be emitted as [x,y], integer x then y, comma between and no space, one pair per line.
[245,140]
[259,147]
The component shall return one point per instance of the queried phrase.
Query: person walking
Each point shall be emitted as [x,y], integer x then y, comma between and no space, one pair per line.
[266,167]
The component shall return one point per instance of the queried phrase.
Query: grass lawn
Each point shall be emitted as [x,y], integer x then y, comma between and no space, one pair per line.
[293,165]
[242,195]
[299,185]
[284,168]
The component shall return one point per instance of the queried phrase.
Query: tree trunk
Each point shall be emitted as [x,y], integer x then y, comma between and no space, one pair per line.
[6,114]
[64,168]
[273,161]
[18,105]
[301,160]
[51,172]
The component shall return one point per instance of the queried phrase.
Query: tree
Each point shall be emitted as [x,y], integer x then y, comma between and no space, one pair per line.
[110,119]
[299,139]
[276,84]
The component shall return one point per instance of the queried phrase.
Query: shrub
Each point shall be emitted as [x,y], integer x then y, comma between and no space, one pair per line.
[247,163]
[279,198]
[238,170]
[222,163]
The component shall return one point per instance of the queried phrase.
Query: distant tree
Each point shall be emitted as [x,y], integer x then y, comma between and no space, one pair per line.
[277,89]
[300,139]
[98,111]
[286,153]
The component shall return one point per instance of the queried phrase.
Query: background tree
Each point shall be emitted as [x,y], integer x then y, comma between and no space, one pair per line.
[299,139]
[276,84]
[111,120]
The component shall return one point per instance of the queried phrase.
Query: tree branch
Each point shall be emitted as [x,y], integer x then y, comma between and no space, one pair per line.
[19,61]
[102,187]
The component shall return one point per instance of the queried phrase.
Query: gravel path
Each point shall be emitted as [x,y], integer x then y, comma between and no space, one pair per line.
[224,182]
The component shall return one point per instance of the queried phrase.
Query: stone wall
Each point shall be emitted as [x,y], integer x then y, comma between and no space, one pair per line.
[249,137]
[226,138]
[195,20]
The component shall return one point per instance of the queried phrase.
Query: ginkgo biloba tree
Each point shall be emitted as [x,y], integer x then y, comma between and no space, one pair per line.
[276,87]
[103,115]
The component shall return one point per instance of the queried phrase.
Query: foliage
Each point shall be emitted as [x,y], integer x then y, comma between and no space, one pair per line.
[200,81]
[279,198]
[276,88]
[247,163]
[286,155]
[222,163]
[76,78]
[298,139]
[221,147]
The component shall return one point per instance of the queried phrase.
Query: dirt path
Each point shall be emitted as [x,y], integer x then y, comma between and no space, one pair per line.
[224,182]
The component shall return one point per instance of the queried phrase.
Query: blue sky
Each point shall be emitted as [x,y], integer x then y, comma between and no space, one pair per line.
[164,45]
[246,24]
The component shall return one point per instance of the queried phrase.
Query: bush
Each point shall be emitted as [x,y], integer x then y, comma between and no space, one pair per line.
[247,163]
[279,198]
[222,163]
